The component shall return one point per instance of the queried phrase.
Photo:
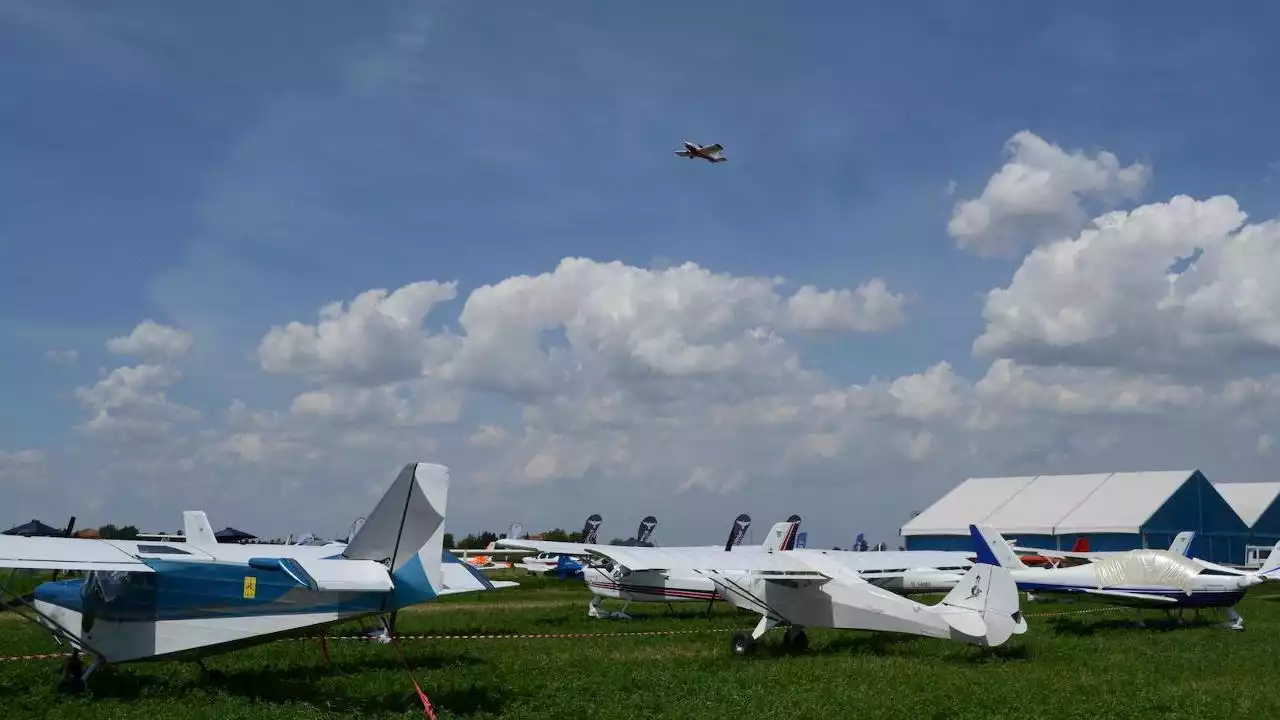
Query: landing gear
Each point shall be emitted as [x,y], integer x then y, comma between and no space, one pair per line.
[1234,621]
[742,644]
[75,676]
[596,610]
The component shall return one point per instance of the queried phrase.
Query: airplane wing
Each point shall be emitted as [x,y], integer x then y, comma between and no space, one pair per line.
[549,546]
[684,153]
[1119,594]
[52,553]
[742,559]
[713,148]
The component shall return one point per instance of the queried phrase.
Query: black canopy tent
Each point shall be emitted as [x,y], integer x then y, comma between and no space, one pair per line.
[232,535]
[35,528]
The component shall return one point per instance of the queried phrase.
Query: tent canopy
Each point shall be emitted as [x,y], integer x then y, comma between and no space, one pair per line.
[35,528]
[230,534]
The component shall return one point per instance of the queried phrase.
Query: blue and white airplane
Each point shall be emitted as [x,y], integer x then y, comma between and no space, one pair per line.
[1137,578]
[153,600]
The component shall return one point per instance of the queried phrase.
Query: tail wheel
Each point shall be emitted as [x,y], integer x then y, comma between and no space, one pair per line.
[742,644]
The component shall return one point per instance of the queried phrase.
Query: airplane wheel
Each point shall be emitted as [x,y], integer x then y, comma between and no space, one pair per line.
[797,642]
[742,644]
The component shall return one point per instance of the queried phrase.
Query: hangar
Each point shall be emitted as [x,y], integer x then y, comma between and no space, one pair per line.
[1115,511]
[1256,504]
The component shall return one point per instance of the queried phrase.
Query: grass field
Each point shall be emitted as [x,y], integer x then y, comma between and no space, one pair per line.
[1078,665]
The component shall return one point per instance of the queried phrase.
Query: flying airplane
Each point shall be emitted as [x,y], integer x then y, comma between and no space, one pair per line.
[710,153]
[799,589]
[150,600]
[1137,578]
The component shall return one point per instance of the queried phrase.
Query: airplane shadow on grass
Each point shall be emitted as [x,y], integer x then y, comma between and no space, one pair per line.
[1082,628]
[304,684]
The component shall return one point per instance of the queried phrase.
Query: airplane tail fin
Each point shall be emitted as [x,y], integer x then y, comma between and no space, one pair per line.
[782,536]
[790,543]
[591,529]
[1182,543]
[992,549]
[737,531]
[1270,569]
[405,531]
[197,530]
[1081,545]
[982,608]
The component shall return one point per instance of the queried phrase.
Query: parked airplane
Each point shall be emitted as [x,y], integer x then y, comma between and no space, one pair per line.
[145,601]
[801,589]
[1137,578]
[1079,552]
[710,153]
[547,559]
[572,562]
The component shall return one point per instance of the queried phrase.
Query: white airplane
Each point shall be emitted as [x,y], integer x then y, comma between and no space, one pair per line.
[799,590]
[650,588]
[145,601]
[903,572]
[1137,578]
[710,153]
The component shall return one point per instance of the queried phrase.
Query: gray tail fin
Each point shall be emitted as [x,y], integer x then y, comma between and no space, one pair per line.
[1182,543]
[405,531]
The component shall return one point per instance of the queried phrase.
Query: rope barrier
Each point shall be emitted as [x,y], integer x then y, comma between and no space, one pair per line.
[551,636]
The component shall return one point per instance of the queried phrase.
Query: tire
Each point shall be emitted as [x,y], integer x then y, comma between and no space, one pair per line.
[742,644]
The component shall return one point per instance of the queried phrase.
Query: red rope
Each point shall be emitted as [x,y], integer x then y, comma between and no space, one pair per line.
[427,711]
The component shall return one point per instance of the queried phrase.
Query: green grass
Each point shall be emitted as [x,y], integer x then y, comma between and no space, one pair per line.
[1087,666]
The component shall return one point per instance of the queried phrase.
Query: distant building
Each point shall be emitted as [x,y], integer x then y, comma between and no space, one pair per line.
[1115,511]
[1256,504]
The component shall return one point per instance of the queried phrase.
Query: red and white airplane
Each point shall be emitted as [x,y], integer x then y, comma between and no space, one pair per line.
[710,153]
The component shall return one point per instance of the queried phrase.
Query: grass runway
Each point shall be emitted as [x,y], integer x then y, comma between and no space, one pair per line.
[1070,665]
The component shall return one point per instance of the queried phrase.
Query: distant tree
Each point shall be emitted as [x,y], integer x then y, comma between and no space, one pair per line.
[558,535]
[128,532]
[107,532]
[477,542]
[448,541]
[835,548]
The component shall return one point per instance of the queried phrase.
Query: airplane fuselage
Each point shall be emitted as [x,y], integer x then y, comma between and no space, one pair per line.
[191,608]
[1208,589]
[649,586]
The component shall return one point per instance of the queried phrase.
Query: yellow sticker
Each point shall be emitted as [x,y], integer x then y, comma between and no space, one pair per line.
[250,587]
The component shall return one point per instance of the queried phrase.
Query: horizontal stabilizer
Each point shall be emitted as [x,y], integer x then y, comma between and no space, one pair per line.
[330,575]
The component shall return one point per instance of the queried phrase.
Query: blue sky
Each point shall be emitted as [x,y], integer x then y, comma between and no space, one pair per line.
[228,169]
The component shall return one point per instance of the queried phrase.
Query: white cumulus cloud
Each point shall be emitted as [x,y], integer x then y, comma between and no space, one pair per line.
[1039,192]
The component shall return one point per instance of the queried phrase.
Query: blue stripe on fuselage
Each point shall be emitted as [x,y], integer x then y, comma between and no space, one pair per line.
[188,590]
[1198,598]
